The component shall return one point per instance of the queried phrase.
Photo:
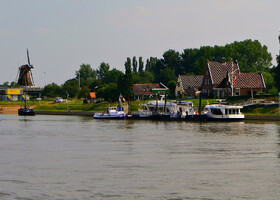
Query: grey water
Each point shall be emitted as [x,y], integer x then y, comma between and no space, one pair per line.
[70,157]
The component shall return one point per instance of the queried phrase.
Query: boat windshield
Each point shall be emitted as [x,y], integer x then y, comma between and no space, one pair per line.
[216,111]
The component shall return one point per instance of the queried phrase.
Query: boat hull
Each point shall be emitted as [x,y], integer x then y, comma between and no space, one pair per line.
[225,119]
[26,112]
[108,116]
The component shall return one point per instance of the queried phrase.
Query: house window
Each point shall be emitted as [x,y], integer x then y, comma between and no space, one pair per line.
[237,91]
[178,83]
[206,81]
[206,72]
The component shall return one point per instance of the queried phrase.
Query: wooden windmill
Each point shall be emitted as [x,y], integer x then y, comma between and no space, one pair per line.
[25,77]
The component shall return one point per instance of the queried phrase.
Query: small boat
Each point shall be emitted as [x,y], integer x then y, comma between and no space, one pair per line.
[26,111]
[161,110]
[218,112]
[112,113]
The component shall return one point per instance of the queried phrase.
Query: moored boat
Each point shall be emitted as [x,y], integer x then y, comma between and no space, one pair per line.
[26,111]
[218,112]
[112,113]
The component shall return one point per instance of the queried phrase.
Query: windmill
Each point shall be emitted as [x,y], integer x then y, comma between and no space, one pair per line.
[25,77]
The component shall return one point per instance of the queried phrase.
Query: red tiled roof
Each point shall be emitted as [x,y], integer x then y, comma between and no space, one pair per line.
[219,70]
[249,80]
[145,89]
[191,81]
[92,95]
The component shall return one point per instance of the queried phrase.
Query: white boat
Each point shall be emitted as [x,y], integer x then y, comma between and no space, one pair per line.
[112,113]
[218,112]
[172,109]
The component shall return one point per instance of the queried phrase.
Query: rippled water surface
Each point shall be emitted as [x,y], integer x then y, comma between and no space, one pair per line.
[65,157]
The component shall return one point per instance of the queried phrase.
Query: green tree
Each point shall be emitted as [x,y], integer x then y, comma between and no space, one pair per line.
[134,64]
[148,67]
[84,92]
[109,92]
[167,75]
[86,74]
[127,90]
[102,70]
[277,70]
[269,80]
[252,56]
[172,60]
[52,90]
[71,87]
[171,86]
[6,84]
[141,65]
[112,76]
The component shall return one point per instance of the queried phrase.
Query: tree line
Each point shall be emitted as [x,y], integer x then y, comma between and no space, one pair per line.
[109,82]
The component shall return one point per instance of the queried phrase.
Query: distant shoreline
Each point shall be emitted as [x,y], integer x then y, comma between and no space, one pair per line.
[11,109]
[14,110]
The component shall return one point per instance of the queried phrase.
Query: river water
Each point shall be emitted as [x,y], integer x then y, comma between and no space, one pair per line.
[70,157]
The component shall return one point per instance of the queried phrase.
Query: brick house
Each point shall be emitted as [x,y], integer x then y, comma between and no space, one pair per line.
[222,79]
[188,86]
[144,91]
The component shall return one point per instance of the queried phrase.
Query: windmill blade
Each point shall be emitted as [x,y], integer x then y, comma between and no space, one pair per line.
[28,57]
[32,80]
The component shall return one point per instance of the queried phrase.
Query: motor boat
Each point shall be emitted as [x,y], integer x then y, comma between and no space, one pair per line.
[165,110]
[218,112]
[26,111]
[116,112]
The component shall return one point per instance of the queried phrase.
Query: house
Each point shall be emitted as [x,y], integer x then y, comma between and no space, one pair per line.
[19,93]
[188,86]
[222,79]
[144,91]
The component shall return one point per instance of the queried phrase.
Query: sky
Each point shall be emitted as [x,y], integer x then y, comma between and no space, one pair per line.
[63,34]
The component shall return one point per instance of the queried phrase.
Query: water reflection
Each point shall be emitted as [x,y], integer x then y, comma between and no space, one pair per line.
[68,157]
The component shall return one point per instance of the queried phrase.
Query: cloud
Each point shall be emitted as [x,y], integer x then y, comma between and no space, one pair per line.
[126,16]
[142,9]
[43,31]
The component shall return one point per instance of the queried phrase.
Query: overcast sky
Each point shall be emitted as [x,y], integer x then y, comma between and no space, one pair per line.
[63,34]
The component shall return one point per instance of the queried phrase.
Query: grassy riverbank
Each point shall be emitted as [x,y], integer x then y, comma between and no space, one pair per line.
[78,106]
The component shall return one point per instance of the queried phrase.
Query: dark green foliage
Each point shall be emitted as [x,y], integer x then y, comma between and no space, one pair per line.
[103,69]
[109,92]
[71,87]
[172,60]
[112,76]
[7,84]
[134,64]
[167,75]
[268,79]
[172,86]
[277,70]
[148,67]
[127,89]
[251,56]
[86,74]
[84,92]
[143,77]
[141,65]
[52,90]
